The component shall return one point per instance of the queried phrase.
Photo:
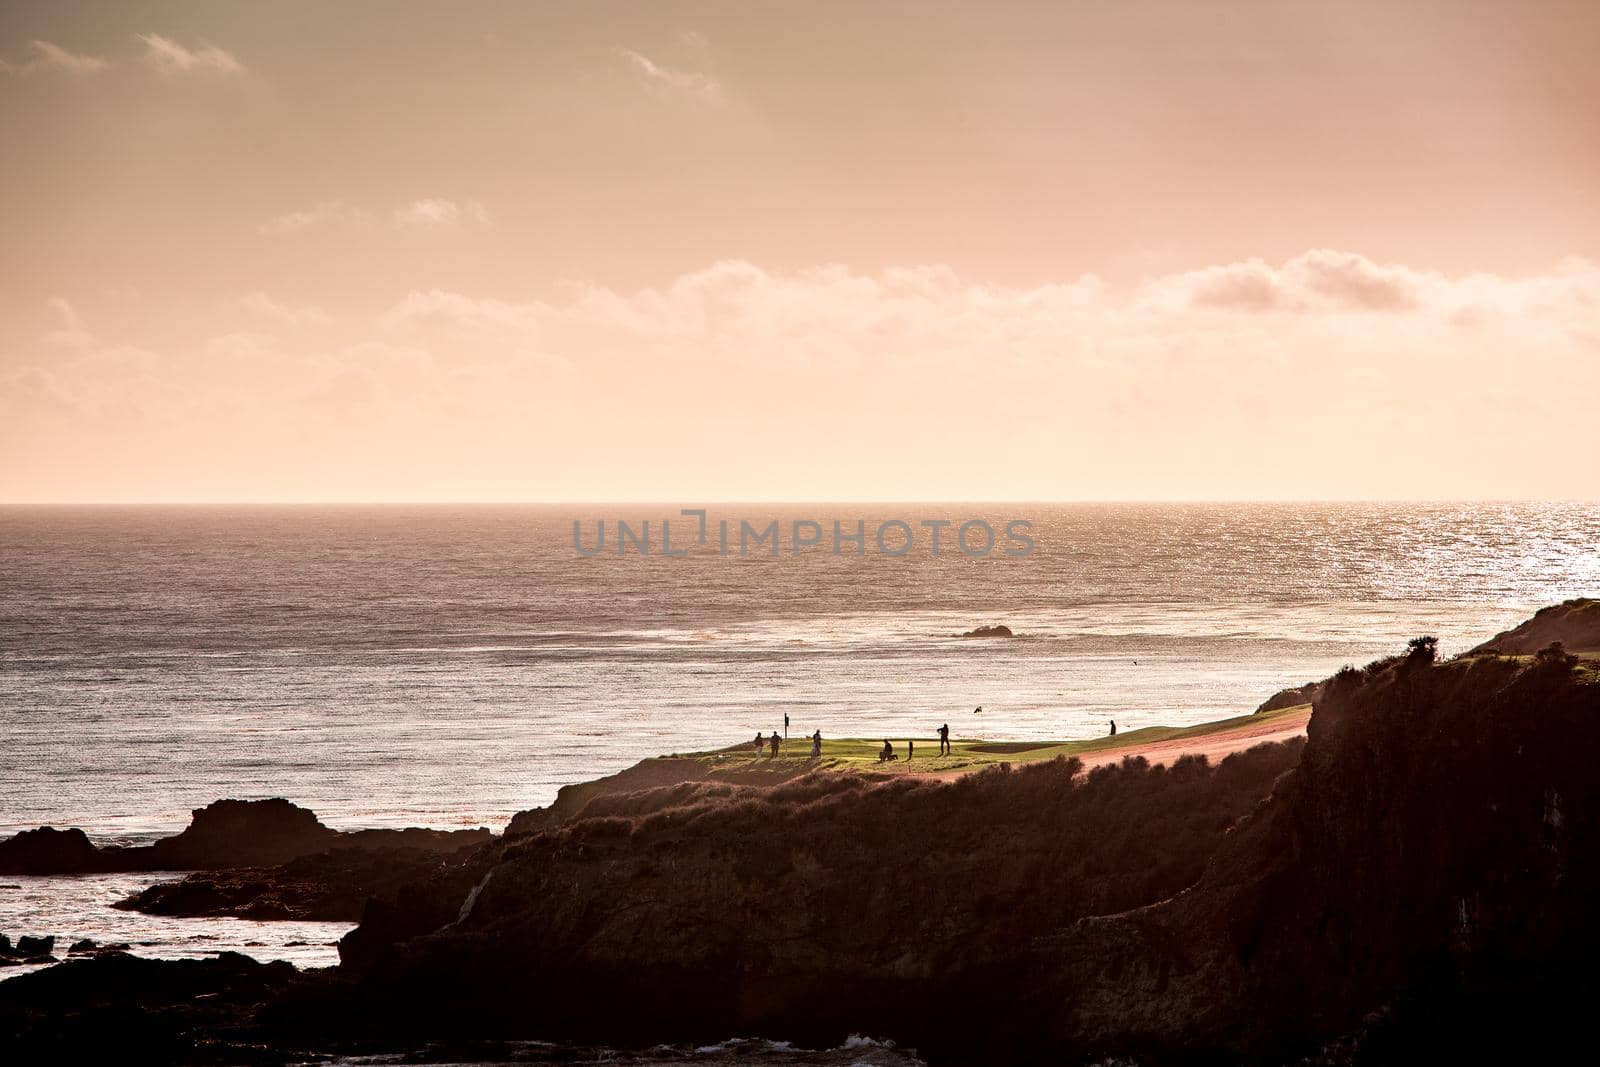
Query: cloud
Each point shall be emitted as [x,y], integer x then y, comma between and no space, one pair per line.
[420,308]
[434,213]
[1319,280]
[325,213]
[264,307]
[172,59]
[1247,286]
[1319,375]
[241,345]
[71,333]
[51,57]
[667,81]
[1352,281]
[426,214]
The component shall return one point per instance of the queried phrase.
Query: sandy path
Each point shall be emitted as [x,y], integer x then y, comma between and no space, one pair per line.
[1214,746]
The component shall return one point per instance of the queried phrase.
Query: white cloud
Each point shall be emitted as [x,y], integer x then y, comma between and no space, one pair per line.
[262,306]
[426,214]
[435,213]
[328,212]
[1322,375]
[240,345]
[45,56]
[661,80]
[171,58]
[420,308]
[71,333]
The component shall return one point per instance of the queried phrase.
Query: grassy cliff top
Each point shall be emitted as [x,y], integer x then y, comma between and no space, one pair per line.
[968,754]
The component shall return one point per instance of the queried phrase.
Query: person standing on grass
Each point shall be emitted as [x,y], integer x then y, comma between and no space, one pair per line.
[774,744]
[911,750]
[944,740]
[816,745]
[759,741]
[1113,727]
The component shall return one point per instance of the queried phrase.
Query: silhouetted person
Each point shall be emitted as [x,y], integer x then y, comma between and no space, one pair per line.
[887,752]
[1113,727]
[944,740]
[816,744]
[786,726]
[911,750]
[760,740]
[774,744]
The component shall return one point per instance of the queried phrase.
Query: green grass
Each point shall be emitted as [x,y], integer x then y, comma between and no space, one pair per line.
[967,753]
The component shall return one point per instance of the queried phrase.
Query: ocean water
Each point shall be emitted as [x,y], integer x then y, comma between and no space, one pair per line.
[448,666]
[77,907]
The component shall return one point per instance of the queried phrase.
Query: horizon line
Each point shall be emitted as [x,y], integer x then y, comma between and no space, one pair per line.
[786,502]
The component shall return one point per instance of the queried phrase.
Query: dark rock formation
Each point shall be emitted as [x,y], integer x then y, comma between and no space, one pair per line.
[1414,882]
[1434,856]
[410,910]
[654,784]
[225,834]
[1431,855]
[1574,623]
[36,946]
[1293,698]
[331,886]
[26,950]
[990,631]
[122,1009]
[48,851]
[806,910]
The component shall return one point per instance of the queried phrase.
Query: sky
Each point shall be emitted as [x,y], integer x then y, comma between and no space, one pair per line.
[731,251]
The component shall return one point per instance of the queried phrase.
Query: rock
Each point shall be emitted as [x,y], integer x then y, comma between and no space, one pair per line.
[36,946]
[48,851]
[242,833]
[990,631]
[1413,882]
[225,834]
[125,1009]
[413,909]
[1430,853]
[777,909]
[1420,882]
[332,886]
[1292,698]
[1574,623]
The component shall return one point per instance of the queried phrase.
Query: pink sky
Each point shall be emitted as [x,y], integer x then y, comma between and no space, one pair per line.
[722,251]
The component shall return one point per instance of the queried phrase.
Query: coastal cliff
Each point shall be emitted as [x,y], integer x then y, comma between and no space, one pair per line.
[1410,881]
[1433,841]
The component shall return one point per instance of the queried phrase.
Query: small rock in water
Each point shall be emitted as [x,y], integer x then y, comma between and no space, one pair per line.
[36,946]
[990,631]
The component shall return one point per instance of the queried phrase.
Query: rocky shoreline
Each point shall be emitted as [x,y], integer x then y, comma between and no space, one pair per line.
[1410,881]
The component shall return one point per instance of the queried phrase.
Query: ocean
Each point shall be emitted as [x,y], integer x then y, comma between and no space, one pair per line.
[448,666]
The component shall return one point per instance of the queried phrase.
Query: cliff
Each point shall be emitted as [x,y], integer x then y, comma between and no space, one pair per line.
[1430,849]
[1412,882]
[1575,624]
